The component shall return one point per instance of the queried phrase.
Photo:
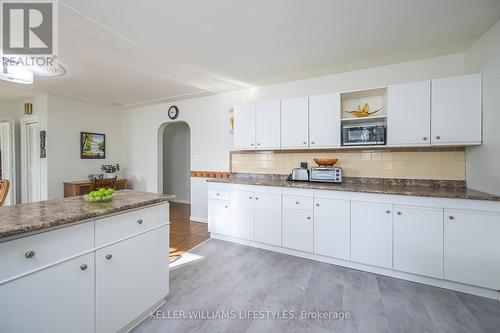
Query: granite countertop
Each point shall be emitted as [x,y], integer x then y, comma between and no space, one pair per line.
[453,192]
[37,216]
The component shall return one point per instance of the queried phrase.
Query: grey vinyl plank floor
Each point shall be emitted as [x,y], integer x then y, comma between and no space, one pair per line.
[236,279]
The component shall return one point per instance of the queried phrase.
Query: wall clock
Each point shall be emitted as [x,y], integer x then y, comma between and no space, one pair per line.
[173,112]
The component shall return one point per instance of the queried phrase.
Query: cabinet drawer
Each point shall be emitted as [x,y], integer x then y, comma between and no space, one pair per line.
[31,253]
[218,194]
[115,228]
[297,202]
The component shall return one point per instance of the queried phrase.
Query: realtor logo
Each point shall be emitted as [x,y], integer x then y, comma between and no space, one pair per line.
[28,28]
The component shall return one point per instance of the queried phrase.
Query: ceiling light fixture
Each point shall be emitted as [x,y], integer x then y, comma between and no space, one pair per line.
[53,69]
[16,74]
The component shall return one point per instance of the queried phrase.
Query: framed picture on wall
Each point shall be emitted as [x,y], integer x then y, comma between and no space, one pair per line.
[92,145]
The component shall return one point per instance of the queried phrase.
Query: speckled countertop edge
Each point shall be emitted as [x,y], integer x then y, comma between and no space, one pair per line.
[51,214]
[451,192]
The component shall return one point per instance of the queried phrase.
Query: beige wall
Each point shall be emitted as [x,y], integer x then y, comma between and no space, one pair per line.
[444,164]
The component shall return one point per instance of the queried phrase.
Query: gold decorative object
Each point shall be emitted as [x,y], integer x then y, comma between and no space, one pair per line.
[365,112]
[325,161]
[231,123]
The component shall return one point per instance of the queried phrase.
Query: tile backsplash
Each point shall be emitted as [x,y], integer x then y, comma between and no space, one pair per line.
[425,163]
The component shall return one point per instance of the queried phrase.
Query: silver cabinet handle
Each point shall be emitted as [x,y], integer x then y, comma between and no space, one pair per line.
[296,202]
[399,213]
[258,144]
[387,211]
[308,217]
[225,206]
[452,218]
[312,142]
[251,144]
[256,198]
[217,194]
[317,205]
[424,138]
[29,254]
[305,142]
[250,198]
[83,267]
[109,256]
[140,221]
[438,137]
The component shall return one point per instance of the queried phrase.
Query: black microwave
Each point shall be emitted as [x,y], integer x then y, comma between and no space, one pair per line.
[363,134]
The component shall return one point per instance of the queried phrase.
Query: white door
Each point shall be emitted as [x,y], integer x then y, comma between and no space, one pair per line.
[371,234]
[409,114]
[267,115]
[218,216]
[7,158]
[294,123]
[471,248]
[298,230]
[268,218]
[324,121]
[131,276]
[32,161]
[241,214]
[456,110]
[418,241]
[244,126]
[332,228]
[58,299]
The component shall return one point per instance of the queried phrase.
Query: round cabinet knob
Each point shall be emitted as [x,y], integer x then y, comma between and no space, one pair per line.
[424,138]
[312,142]
[305,143]
[109,256]
[308,217]
[399,213]
[251,144]
[139,221]
[217,194]
[29,254]
[258,144]
[296,202]
[83,267]
[452,218]
[256,198]
[250,198]
[225,206]
[317,205]
[438,137]
[387,211]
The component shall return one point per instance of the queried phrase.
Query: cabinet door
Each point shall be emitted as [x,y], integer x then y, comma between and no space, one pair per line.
[244,126]
[371,234]
[332,228]
[298,230]
[456,110]
[471,248]
[294,123]
[131,276]
[409,114]
[57,299]
[218,216]
[241,214]
[324,121]
[268,218]
[267,116]
[418,241]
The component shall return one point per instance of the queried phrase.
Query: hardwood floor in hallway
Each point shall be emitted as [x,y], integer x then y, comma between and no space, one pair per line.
[184,234]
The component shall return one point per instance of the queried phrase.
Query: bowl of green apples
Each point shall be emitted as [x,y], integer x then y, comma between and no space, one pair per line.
[101,195]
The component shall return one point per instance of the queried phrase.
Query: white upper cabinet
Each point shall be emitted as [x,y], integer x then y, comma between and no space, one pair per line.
[324,121]
[409,114]
[244,126]
[456,110]
[267,115]
[294,123]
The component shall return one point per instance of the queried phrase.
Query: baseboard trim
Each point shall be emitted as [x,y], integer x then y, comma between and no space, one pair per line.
[478,291]
[198,219]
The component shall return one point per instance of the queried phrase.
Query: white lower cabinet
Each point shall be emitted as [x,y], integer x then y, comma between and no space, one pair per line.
[418,240]
[298,229]
[371,234]
[471,248]
[218,216]
[332,228]
[268,218]
[241,214]
[131,276]
[58,299]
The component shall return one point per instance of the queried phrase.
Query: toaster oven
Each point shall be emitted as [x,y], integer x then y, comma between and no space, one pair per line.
[327,175]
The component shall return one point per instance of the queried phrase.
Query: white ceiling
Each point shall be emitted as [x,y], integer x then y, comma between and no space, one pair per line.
[132,53]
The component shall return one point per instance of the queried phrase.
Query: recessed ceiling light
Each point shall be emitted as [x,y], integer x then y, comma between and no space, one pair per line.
[16,74]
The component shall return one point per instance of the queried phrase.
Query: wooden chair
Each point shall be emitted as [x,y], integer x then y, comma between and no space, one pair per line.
[104,183]
[4,190]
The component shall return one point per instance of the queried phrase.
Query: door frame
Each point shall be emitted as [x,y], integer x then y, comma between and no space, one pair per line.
[13,156]
[24,158]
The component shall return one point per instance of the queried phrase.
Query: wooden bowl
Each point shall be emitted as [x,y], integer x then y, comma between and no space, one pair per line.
[325,161]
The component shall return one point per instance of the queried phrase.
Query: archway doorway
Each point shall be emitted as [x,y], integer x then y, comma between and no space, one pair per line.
[174,168]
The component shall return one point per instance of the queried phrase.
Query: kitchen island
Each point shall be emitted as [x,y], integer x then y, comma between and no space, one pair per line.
[72,266]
